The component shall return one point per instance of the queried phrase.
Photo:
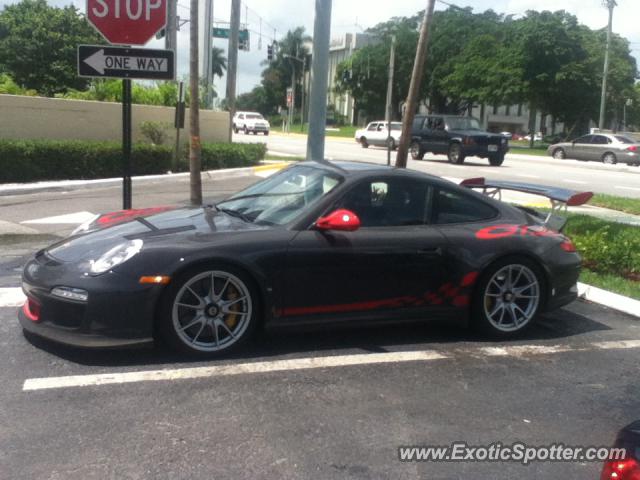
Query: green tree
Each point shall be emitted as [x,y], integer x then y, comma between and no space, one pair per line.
[218,61]
[38,45]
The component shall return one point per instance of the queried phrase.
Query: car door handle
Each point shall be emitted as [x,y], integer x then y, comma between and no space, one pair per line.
[430,251]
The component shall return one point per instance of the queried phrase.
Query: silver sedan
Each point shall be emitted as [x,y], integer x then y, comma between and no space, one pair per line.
[600,147]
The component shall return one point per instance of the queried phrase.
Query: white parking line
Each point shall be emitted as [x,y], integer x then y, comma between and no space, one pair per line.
[517,351]
[627,188]
[579,182]
[11,297]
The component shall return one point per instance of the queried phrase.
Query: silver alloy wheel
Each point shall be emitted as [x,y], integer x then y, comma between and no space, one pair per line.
[211,311]
[391,143]
[559,154]
[511,298]
[609,158]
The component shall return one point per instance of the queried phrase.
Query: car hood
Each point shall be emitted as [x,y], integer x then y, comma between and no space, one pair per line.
[174,225]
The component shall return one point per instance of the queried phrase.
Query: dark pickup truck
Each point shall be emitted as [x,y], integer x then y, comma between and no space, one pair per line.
[457,137]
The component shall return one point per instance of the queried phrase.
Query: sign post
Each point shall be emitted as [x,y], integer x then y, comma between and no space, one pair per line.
[126,22]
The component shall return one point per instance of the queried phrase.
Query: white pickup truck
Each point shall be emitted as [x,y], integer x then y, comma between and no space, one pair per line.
[377,134]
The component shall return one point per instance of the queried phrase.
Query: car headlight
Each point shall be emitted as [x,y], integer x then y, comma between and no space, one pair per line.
[116,256]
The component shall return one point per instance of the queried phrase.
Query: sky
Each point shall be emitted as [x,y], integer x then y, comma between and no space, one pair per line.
[357,15]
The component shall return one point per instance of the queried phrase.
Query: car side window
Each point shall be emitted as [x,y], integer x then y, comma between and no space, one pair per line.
[600,140]
[455,207]
[418,123]
[583,139]
[241,116]
[372,127]
[390,202]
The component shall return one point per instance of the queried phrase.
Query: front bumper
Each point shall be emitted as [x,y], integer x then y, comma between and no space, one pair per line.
[257,128]
[483,150]
[119,311]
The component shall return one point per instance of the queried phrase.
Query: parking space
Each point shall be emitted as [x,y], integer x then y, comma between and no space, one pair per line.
[323,403]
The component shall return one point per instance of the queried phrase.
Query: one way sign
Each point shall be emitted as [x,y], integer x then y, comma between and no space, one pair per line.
[124,62]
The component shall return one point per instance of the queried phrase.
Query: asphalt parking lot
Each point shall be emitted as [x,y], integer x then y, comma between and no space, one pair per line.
[308,404]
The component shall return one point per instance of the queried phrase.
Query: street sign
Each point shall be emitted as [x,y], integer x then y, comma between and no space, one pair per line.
[124,62]
[289,97]
[127,22]
[243,35]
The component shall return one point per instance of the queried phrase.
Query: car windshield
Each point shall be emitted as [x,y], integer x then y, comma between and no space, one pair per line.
[255,116]
[463,123]
[622,139]
[396,126]
[283,196]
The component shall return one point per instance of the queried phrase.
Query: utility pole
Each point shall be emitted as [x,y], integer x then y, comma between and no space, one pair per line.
[232,59]
[292,108]
[194,109]
[206,58]
[392,59]
[319,80]
[414,86]
[171,32]
[610,4]
[304,65]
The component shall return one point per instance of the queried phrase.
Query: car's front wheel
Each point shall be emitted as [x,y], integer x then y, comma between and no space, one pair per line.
[455,154]
[208,312]
[391,143]
[363,142]
[509,295]
[559,154]
[416,151]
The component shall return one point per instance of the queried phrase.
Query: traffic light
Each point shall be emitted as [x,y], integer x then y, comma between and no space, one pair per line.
[270,52]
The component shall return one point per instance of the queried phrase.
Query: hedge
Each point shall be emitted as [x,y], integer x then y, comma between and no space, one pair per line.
[34,160]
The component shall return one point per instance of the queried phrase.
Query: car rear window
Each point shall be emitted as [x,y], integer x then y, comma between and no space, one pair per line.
[455,207]
[622,139]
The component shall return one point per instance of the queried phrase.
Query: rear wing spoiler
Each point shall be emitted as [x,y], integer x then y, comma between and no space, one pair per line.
[560,198]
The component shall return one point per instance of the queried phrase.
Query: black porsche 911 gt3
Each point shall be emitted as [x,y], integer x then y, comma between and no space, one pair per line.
[316,242]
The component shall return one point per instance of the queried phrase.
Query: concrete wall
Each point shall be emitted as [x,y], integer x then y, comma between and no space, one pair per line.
[54,118]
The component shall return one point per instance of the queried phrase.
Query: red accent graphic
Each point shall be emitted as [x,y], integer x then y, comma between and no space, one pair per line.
[446,293]
[502,231]
[121,216]
[127,22]
[31,309]
[469,279]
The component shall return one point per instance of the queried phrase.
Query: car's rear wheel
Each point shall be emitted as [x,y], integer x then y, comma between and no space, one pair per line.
[496,160]
[416,151]
[455,154]
[363,142]
[246,130]
[209,312]
[391,143]
[559,154]
[509,295]
[609,158]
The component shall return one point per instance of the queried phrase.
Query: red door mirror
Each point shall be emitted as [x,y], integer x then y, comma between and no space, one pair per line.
[341,220]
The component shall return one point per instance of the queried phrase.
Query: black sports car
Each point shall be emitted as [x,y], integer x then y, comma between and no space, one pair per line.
[316,242]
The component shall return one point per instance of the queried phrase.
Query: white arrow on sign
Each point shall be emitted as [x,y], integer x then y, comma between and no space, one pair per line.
[101,62]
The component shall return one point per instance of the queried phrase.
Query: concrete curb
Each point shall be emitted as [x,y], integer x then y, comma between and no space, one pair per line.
[609,299]
[67,185]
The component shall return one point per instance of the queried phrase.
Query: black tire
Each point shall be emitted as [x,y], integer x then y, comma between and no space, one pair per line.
[487,297]
[609,158]
[455,154]
[266,134]
[496,160]
[246,130]
[416,151]
[391,143]
[235,128]
[559,154]
[212,314]
[363,142]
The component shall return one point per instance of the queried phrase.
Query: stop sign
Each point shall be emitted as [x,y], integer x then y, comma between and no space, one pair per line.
[127,22]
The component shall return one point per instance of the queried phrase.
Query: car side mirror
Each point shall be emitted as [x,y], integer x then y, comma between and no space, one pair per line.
[339,220]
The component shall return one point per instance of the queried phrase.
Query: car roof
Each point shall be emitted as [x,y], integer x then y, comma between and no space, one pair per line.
[348,168]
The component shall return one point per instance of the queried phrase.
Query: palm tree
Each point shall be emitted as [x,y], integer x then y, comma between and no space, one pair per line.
[218,62]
